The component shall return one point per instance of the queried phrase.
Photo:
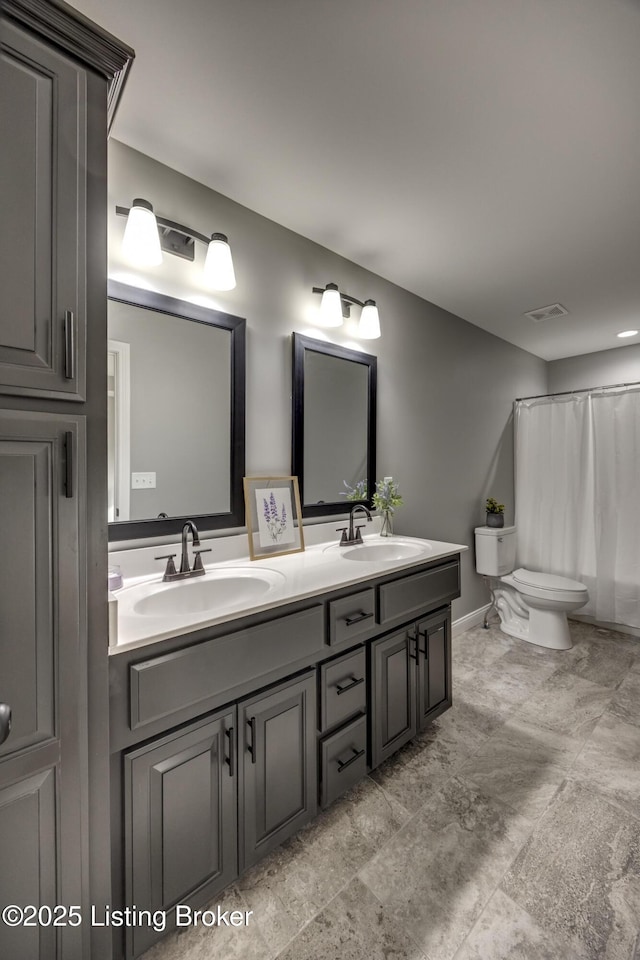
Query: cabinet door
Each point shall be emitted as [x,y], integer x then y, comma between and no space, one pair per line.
[434,666]
[43,791]
[43,168]
[180,819]
[393,683]
[278,766]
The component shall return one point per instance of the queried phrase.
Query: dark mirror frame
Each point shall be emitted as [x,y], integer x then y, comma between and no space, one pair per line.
[157,527]
[300,346]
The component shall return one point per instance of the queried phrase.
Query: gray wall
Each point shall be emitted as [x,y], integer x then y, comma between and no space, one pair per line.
[445,387]
[620,365]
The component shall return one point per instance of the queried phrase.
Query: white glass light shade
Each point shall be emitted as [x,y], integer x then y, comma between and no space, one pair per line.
[331,307]
[141,241]
[369,326]
[218,265]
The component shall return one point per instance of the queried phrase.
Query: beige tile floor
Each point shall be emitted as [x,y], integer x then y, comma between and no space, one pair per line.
[509,829]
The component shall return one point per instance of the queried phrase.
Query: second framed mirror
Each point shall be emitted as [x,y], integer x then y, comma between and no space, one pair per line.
[334,426]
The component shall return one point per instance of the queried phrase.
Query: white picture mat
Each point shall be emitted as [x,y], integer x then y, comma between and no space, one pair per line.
[278,527]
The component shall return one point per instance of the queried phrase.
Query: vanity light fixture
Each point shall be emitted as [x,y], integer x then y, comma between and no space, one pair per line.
[141,241]
[369,325]
[628,333]
[147,235]
[335,307]
[218,264]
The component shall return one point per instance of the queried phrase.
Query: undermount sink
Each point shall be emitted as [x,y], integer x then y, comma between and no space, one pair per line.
[217,590]
[389,550]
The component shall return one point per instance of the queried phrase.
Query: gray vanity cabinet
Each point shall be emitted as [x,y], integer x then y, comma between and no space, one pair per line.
[320,694]
[410,682]
[42,272]
[434,666]
[277,752]
[180,819]
[393,694]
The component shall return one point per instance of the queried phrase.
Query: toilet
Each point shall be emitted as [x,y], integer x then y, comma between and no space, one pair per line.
[532,606]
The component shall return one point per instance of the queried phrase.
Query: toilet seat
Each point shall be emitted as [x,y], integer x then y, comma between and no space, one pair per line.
[548,586]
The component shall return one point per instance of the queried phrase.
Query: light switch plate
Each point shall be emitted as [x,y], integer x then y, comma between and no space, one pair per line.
[143,481]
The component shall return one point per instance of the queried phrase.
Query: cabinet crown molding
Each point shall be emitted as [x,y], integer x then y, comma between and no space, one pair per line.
[75,34]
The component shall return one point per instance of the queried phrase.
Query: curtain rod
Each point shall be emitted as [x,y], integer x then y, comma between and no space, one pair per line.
[565,393]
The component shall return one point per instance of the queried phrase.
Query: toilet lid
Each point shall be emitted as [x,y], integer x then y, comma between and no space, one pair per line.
[547,581]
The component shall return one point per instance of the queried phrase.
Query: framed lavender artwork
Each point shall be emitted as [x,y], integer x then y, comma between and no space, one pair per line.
[273,516]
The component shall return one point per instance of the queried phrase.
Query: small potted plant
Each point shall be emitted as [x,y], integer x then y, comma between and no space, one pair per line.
[386,499]
[495,513]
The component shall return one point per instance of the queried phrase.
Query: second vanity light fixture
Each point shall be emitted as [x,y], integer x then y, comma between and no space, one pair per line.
[335,307]
[146,236]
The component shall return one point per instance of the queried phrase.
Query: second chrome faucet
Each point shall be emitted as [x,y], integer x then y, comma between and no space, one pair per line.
[185,570]
[352,534]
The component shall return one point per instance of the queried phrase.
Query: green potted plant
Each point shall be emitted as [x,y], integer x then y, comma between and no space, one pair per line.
[385,500]
[495,513]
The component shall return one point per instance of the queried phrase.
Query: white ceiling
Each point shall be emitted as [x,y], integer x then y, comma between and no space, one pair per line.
[484,154]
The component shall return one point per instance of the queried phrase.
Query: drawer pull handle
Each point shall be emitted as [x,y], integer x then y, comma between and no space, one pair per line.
[68,464]
[355,682]
[232,749]
[349,621]
[5,721]
[343,764]
[252,745]
[69,346]
[413,650]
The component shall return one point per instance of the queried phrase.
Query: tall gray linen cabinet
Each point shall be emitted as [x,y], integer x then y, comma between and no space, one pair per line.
[60,77]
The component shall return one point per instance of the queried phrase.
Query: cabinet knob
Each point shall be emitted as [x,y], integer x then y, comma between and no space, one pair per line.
[5,721]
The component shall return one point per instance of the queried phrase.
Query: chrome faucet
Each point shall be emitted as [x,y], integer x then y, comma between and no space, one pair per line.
[352,534]
[186,570]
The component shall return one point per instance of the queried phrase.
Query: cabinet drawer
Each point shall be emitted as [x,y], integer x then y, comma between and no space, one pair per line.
[405,598]
[343,760]
[352,617]
[163,685]
[343,688]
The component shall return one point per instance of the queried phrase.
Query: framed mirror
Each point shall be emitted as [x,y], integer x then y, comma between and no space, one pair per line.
[334,426]
[176,414]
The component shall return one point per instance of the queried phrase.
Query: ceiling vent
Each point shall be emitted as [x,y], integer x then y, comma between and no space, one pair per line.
[551,312]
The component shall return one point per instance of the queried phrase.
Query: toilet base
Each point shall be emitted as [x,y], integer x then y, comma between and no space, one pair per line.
[544,628]
[549,628]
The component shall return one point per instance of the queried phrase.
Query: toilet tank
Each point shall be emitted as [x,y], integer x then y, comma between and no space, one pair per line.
[495,550]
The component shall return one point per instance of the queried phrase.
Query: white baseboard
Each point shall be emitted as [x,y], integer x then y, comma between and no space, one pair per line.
[476,618]
[605,625]
[473,619]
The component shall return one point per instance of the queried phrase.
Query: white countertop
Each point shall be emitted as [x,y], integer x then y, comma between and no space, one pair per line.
[318,569]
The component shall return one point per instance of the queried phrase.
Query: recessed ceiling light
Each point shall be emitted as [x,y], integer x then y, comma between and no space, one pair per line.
[628,333]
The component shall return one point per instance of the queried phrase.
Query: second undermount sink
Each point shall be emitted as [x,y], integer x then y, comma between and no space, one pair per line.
[385,550]
[217,590]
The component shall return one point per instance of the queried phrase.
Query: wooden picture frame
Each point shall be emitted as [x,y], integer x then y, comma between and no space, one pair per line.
[274,516]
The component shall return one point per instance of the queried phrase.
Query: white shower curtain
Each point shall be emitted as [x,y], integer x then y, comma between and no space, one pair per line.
[578,495]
